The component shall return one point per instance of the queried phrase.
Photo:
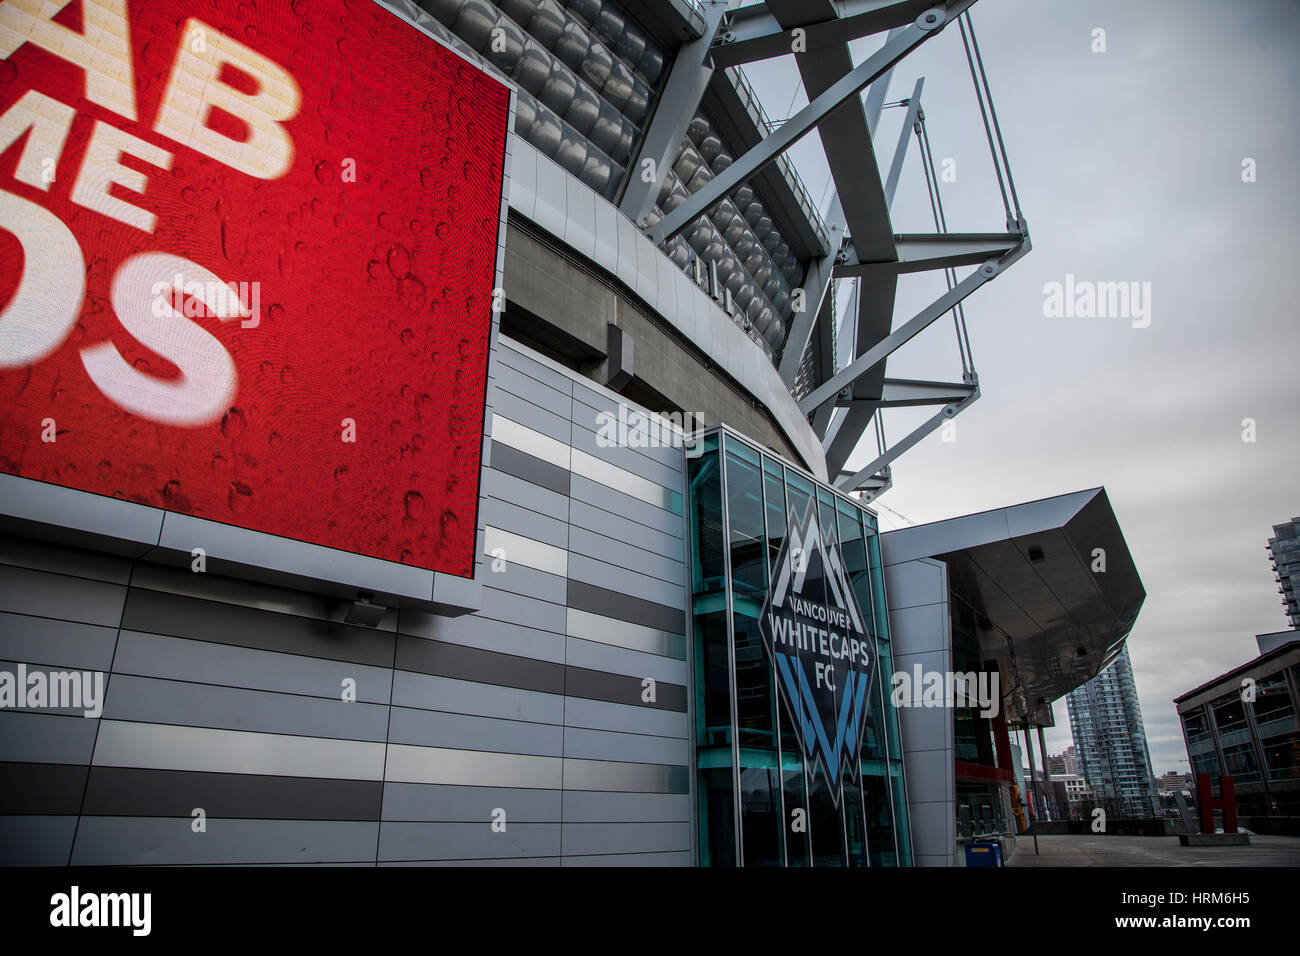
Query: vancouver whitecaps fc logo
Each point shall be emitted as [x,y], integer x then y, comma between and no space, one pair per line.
[814,632]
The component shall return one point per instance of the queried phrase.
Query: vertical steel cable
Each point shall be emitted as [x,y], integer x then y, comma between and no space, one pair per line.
[941,225]
[988,93]
[988,131]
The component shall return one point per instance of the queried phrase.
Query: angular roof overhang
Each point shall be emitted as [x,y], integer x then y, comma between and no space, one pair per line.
[1040,609]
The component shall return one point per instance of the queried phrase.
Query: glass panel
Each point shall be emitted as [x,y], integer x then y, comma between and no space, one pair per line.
[880,822]
[760,808]
[854,824]
[717,817]
[798,845]
[827,831]
[799,492]
[774,490]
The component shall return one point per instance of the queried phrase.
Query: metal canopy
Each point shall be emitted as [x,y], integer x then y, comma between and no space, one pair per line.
[1027,572]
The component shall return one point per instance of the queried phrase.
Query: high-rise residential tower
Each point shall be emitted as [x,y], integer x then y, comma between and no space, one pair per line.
[1106,722]
[1284,551]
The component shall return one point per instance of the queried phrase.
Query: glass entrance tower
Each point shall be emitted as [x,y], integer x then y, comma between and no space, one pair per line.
[762,801]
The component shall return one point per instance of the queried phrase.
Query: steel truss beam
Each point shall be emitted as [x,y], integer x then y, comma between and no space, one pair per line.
[874,356]
[904,137]
[928,251]
[753,33]
[862,476]
[807,119]
[908,393]
[687,81]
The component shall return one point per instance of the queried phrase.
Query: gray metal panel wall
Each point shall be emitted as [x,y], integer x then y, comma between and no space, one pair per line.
[227,696]
[921,636]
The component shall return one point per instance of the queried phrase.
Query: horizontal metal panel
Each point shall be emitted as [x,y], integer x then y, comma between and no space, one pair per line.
[149,700]
[619,554]
[520,517]
[27,737]
[521,465]
[459,662]
[269,557]
[474,631]
[60,559]
[532,862]
[501,605]
[615,578]
[84,690]
[43,640]
[154,655]
[534,417]
[238,591]
[625,481]
[625,634]
[28,840]
[473,768]
[518,549]
[429,728]
[619,660]
[621,689]
[47,788]
[124,791]
[144,841]
[585,806]
[463,697]
[508,432]
[678,858]
[156,612]
[522,491]
[503,575]
[634,748]
[612,525]
[619,776]
[609,603]
[40,593]
[467,841]
[602,715]
[164,747]
[584,838]
[602,438]
[513,356]
[537,386]
[624,509]
[434,803]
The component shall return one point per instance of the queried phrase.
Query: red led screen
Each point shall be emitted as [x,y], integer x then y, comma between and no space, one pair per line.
[247,259]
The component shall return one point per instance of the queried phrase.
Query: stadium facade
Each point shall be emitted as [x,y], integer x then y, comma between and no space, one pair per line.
[517,526]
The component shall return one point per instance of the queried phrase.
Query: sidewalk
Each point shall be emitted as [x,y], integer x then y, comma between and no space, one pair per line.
[1098,850]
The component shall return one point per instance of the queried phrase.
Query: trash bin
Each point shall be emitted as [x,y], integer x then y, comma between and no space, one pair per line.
[983,853]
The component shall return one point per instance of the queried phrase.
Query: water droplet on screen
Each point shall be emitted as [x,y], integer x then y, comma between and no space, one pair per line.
[239,497]
[287,375]
[411,292]
[448,525]
[233,423]
[341,469]
[413,503]
[426,177]
[275,312]
[399,262]
[325,173]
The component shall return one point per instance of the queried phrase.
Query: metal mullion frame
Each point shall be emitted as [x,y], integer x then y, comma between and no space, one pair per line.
[776,691]
[731,652]
[880,687]
[803,758]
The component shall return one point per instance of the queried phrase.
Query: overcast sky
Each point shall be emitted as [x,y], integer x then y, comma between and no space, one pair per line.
[1128,164]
